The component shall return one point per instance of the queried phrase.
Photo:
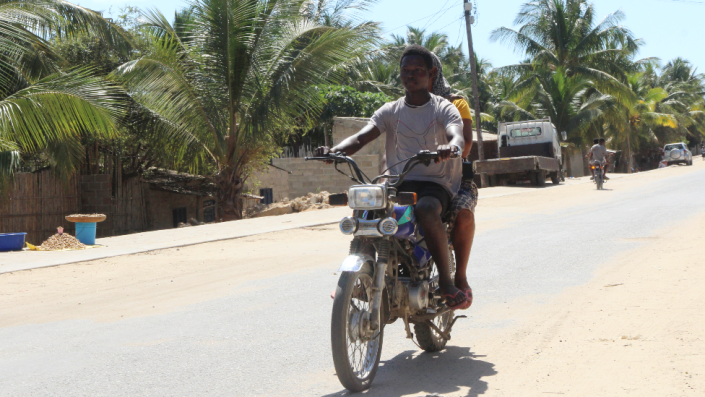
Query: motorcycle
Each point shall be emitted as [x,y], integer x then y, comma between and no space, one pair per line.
[388,275]
[598,168]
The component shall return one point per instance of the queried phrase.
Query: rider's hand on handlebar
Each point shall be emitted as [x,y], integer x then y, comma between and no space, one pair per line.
[445,152]
[321,151]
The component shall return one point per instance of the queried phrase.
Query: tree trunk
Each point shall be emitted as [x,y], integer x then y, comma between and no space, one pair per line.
[230,185]
[629,153]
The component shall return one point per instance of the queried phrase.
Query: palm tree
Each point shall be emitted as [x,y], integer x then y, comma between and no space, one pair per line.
[572,102]
[573,53]
[563,33]
[43,107]
[435,42]
[638,117]
[245,71]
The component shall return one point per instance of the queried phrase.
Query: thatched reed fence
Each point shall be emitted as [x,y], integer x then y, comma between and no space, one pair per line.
[38,203]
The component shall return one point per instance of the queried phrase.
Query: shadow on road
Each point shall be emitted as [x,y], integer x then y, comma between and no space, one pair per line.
[443,372]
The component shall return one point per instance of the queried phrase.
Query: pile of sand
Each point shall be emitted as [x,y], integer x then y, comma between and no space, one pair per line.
[60,242]
[310,202]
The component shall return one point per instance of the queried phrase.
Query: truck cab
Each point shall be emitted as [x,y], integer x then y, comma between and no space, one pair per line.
[528,150]
[528,138]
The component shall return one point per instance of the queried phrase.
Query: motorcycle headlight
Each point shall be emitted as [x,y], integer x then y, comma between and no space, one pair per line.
[370,197]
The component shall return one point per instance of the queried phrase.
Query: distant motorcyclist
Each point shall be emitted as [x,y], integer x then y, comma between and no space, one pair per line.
[598,154]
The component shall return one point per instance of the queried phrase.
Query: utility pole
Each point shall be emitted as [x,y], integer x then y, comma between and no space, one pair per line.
[475,92]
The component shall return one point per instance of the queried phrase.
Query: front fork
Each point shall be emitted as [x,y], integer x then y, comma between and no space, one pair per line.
[378,283]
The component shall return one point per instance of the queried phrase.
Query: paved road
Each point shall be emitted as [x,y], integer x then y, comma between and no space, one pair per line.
[270,337]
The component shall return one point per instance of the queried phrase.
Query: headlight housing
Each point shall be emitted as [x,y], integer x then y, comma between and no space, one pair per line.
[388,226]
[367,197]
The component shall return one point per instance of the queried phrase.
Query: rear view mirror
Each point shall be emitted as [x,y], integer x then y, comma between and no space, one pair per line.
[564,135]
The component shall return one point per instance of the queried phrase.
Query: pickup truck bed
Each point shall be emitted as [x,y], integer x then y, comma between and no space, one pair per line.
[516,164]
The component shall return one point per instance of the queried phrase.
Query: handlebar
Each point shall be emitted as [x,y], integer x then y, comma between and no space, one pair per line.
[423,157]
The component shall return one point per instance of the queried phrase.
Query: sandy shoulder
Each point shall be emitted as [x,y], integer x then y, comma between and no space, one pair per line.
[637,328]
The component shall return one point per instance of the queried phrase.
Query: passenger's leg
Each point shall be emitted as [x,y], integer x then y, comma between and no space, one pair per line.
[463,235]
[428,214]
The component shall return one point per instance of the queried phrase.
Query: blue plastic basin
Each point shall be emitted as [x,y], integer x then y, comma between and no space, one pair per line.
[85,232]
[11,241]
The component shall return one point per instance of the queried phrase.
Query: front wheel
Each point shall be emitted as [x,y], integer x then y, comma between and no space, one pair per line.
[356,349]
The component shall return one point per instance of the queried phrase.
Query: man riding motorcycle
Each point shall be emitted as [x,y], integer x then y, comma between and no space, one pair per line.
[421,121]
[598,154]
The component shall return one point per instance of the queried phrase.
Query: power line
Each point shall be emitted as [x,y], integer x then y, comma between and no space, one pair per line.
[431,20]
[460,27]
[420,19]
[454,21]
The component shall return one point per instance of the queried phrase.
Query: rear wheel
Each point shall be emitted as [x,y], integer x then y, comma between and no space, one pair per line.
[430,340]
[356,349]
[555,179]
[538,178]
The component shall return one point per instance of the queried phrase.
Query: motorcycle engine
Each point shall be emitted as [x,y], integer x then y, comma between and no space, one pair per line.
[418,296]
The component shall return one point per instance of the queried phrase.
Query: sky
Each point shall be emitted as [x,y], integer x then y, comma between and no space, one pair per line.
[669,28]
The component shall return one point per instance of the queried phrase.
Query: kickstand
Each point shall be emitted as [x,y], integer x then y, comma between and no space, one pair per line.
[409,334]
[445,335]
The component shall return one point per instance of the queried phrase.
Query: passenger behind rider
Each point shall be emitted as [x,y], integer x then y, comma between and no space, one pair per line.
[598,153]
[421,121]
[461,217]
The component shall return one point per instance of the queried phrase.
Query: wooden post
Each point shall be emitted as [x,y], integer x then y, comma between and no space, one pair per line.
[475,91]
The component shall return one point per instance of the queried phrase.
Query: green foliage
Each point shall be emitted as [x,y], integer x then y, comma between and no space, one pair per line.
[47,105]
[345,101]
[230,77]
[339,101]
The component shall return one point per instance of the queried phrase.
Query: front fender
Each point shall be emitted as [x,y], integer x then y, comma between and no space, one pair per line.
[353,263]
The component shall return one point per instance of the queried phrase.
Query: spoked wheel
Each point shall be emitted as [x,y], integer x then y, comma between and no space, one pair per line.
[427,337]
[356,348]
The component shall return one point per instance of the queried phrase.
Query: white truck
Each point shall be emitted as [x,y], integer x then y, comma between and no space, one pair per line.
[528,150]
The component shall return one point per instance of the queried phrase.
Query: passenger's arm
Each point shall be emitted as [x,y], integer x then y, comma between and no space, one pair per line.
[467,134]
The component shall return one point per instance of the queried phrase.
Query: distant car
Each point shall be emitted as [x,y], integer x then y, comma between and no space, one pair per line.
[675,153]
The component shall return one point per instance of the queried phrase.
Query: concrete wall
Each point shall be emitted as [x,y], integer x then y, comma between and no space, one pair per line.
[272,178]
[344,127]
[313,176]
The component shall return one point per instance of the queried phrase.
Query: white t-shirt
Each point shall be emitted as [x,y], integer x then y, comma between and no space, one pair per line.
[410,129]
[598,152]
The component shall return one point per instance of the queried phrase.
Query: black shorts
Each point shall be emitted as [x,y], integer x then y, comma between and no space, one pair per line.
[430,189]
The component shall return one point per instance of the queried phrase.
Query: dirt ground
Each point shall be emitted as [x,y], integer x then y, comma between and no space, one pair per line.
[637,328]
